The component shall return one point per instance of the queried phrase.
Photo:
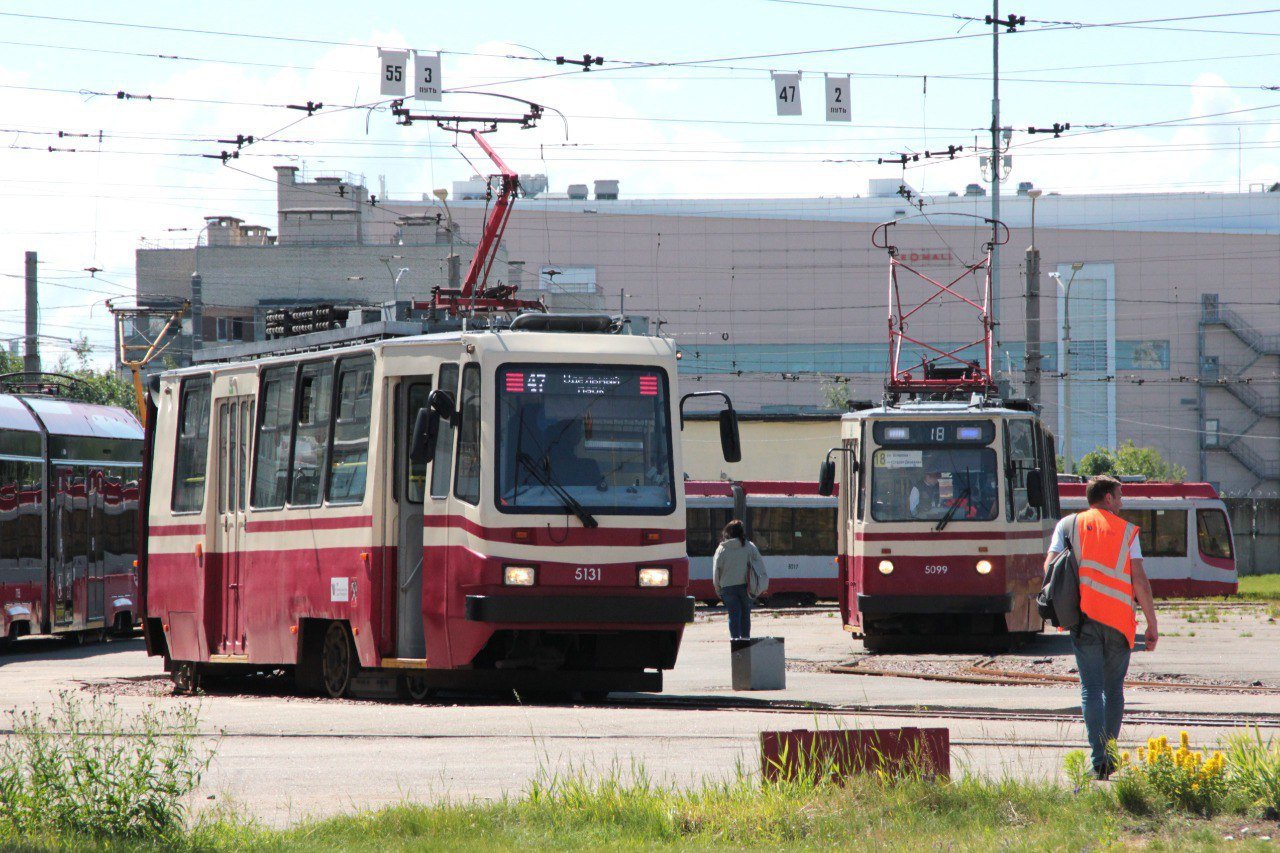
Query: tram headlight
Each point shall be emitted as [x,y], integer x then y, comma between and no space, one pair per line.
[983,567]
[519,575]
[886,567]
[654,576]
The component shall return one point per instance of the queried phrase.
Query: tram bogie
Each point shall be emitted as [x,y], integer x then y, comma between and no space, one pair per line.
[487,509]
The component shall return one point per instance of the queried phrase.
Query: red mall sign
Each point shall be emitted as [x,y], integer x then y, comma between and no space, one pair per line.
[926,256]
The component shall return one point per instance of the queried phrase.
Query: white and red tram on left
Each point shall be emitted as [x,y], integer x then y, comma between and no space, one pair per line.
[486,509]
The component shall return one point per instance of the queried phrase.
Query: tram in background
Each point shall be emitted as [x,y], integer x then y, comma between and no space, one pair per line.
[946,494]
[1187,546]
[69,477]
[793,525]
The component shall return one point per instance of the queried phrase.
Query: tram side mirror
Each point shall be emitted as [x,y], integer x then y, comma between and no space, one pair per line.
[730,442]
[1035,488]
[441,402]
[422,445]
[827,478]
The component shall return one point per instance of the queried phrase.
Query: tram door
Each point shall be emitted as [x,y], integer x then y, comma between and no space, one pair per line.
[235,433]
[410,491]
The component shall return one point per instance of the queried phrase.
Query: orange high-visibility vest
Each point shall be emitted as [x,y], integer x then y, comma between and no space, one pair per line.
[1102,542]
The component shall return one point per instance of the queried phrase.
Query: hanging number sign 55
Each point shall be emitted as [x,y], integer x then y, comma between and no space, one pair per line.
[786,93]
[426,76]
[393,71]
[838,99]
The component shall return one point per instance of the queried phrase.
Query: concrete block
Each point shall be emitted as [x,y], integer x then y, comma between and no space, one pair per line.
[759,663]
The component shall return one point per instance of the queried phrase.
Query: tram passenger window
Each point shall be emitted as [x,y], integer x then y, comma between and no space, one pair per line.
[351,432]
[1163,531]
[773,528]
[1021,451]
[1214,533]
[704,526]
[311,437]
[467,486]
[192,453]
[416,480]
[442,464]
[275,425]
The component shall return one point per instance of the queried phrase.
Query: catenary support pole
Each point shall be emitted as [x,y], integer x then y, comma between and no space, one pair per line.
[995,165]
[31,352]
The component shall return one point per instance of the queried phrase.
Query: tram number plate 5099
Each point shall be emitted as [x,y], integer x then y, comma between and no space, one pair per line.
[935,570]
[587,573]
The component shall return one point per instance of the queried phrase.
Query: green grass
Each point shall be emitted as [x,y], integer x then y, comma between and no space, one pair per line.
[1260,587]
[632,813]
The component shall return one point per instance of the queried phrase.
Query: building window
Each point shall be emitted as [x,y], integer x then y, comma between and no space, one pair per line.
[230,328]
[1142,355]
[192,452]
[1212,433]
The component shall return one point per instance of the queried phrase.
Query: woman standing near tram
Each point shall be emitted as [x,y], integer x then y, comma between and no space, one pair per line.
[739,576]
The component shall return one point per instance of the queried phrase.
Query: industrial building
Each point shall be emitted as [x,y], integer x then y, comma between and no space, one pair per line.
[1174,312]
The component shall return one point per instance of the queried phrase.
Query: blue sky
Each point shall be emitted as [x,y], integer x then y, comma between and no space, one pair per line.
[702,130]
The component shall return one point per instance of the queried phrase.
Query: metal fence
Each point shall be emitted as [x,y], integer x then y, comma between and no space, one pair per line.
[1255,523]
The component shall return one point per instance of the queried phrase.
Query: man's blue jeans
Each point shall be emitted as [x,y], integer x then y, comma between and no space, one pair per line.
[1102,659]
[738,602]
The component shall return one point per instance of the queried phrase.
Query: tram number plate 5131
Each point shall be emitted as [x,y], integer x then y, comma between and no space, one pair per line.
[587,573]
[935,570]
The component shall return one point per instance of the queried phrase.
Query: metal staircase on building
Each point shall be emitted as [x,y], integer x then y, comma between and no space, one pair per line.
[1213,375]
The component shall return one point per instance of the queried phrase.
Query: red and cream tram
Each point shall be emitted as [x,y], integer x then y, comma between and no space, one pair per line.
[794,527]
[1187,548]
[68,517]
[947,497]
[483,509]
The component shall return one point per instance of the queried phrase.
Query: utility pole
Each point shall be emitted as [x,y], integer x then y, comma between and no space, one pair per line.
[995,165]
[31,354]
[1032,309]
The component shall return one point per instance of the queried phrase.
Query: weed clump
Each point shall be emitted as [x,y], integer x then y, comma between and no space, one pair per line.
[85,769]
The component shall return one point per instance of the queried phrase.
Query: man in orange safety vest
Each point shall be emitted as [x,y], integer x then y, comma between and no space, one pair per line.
[1109,556]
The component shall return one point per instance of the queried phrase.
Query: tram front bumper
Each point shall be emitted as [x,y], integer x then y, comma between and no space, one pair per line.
[604,609]
[934,604]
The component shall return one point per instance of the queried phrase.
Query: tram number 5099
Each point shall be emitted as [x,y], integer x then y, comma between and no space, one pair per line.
[587,573]
[935,570]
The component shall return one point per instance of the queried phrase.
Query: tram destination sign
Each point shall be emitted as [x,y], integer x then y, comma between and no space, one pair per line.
[934,432]
[582,382]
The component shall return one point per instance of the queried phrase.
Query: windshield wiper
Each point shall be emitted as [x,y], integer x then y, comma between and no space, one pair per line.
[955,505]
[569,501]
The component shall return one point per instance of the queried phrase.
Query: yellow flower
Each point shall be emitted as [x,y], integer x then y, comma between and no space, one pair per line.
[1185,738]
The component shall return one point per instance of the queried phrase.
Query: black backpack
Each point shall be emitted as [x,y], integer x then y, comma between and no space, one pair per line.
[1059,598]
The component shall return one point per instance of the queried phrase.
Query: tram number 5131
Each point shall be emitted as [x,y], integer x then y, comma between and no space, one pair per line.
[587,573]
[935,570]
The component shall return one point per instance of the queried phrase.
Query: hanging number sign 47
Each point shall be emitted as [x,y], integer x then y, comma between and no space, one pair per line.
[393,71]
[838,99]
[426,76]
[786,93]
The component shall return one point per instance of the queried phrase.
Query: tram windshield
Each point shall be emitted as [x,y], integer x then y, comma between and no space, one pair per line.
[601,434]
[917,484]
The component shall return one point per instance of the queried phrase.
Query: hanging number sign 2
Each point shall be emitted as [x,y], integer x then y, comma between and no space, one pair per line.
[393,71]
[838,99]
[786,93]
[426,76]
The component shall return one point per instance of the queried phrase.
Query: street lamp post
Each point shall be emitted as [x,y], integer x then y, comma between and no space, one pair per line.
[1067,450]
[454,270]
[1032,309]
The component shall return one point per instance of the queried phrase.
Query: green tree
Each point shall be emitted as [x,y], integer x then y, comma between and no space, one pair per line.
[835,393]
[1130,460]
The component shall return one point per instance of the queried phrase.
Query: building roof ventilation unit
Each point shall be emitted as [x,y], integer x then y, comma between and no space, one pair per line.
[1025,187]
[606,190]
[975,190]
[578,192]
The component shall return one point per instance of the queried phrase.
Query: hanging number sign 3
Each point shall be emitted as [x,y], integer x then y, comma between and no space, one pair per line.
[393,71]
[838,99]
[786,93]
[426,76]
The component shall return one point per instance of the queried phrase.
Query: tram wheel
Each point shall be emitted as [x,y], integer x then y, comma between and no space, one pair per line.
[415,684]
[337,664]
